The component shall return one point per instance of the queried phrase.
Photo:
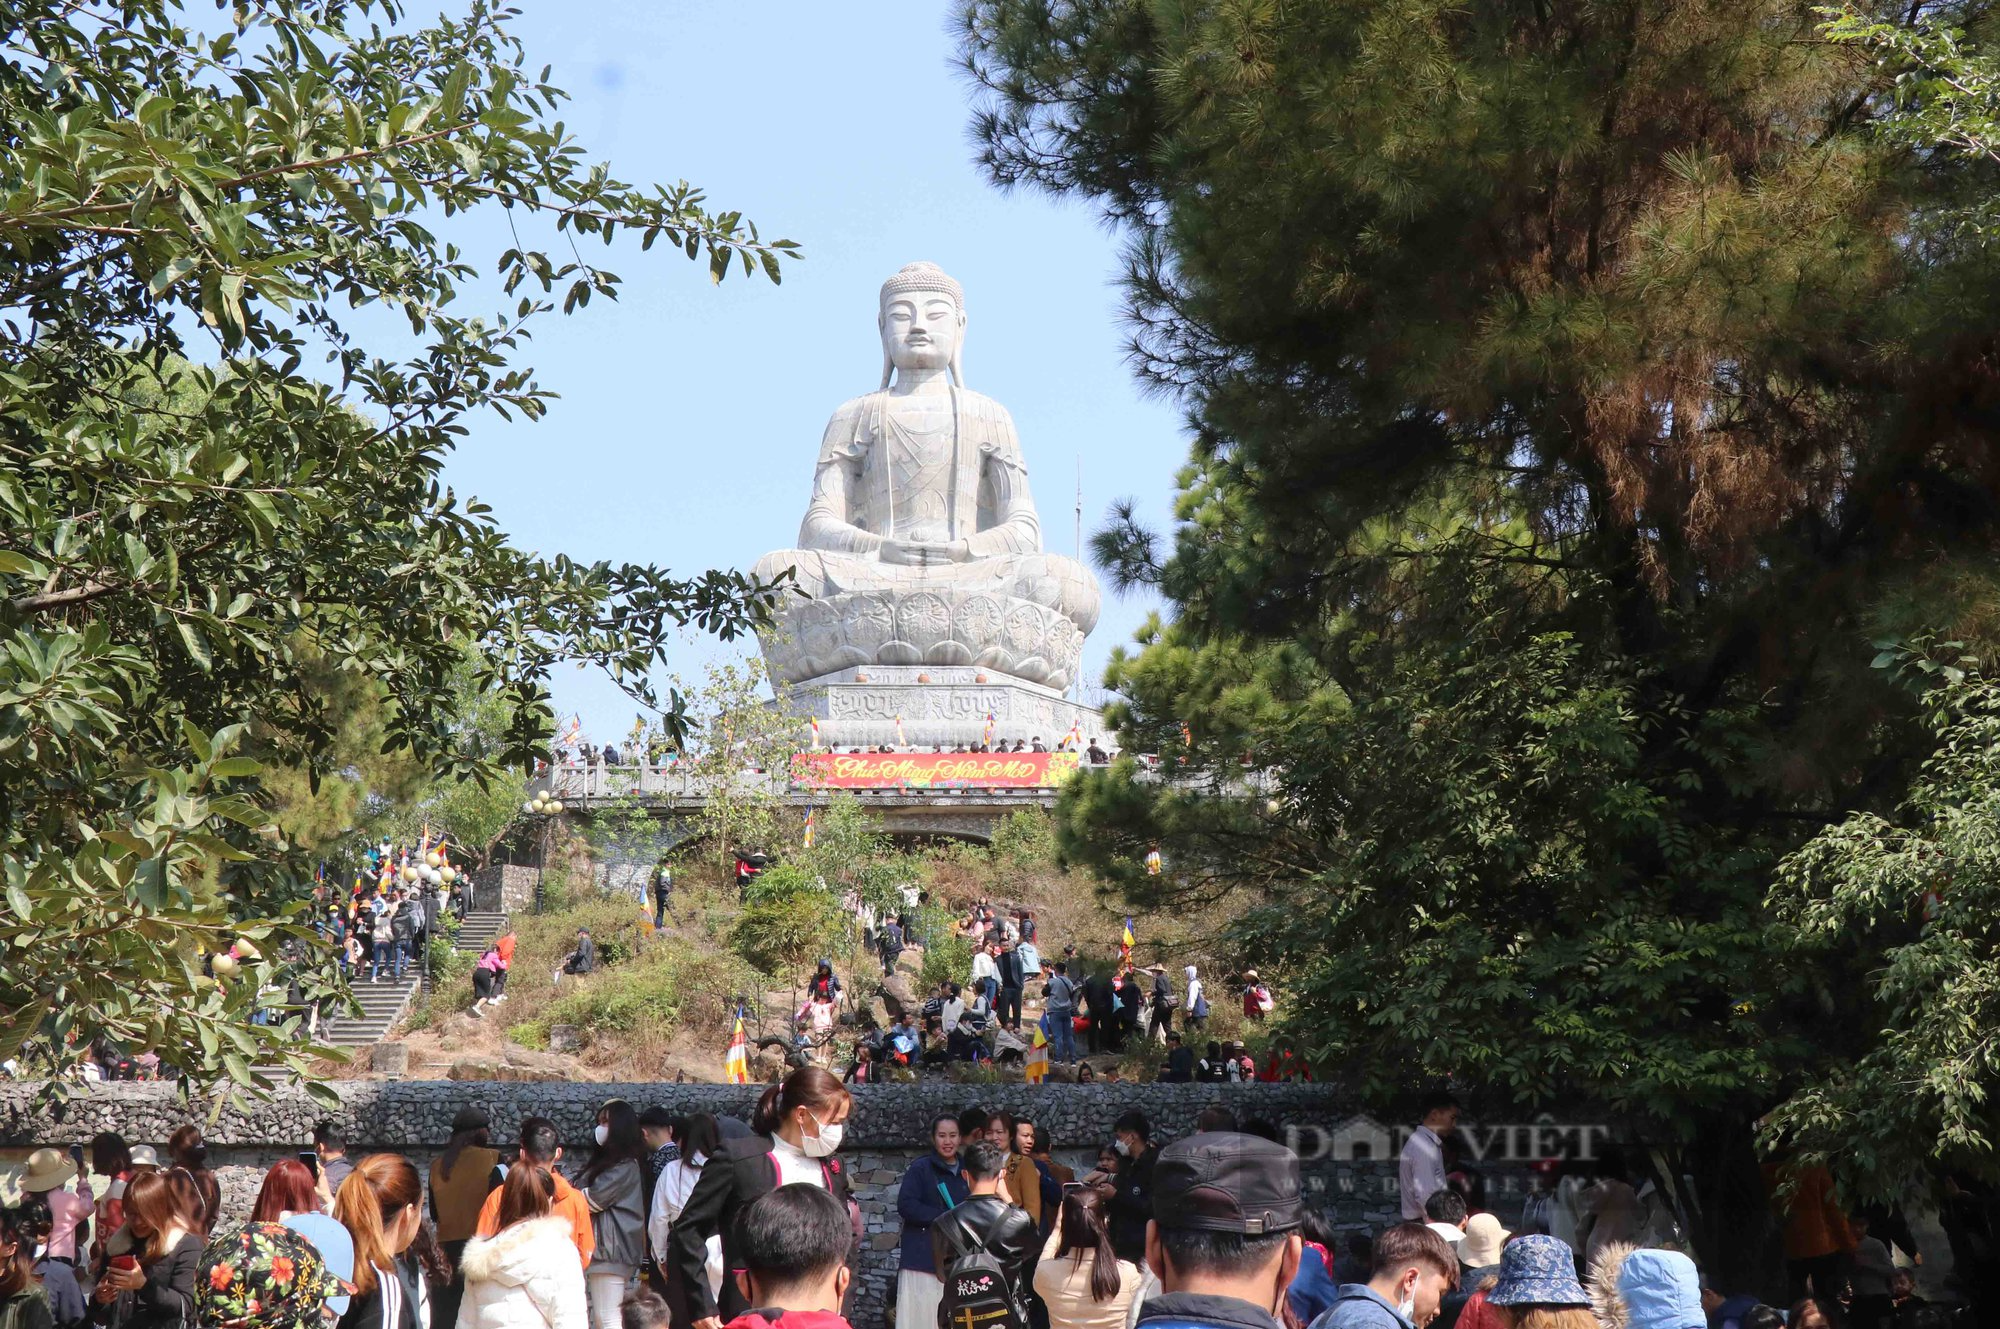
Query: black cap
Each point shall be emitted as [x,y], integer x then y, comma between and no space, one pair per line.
[1221,1181]
[470,1118]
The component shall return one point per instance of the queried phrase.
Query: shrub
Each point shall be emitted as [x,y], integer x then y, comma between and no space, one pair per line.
[664,988]
[949,956]
[787,931]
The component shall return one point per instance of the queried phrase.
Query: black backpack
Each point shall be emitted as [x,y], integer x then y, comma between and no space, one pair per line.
[977,1291]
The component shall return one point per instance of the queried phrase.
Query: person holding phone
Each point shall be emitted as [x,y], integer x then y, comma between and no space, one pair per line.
[48,1174]
[151,1285]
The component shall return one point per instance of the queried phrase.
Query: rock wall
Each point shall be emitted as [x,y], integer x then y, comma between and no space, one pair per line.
[1348,1157]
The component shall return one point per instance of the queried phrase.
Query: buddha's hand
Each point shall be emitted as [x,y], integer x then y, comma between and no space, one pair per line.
[924,554]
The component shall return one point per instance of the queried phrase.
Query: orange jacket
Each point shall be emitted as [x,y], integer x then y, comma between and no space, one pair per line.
[569,1203]
[506,948]
[1814,1222]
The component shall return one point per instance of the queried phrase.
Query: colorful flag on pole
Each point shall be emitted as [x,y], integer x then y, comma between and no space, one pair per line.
[1153,862]
[1035,1066]
[1125,943]
[813,721]
[987,742]
[573,731]
[1073,739]
[1187,735]
[900,740]
[736,1062]
[809,828]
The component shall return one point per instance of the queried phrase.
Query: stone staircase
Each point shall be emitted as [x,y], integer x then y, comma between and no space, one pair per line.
[384,1004]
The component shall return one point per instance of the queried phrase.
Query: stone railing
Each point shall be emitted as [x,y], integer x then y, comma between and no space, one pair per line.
[1347,1156]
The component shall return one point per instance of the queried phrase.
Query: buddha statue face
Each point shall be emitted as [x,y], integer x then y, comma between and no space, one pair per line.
[921,329]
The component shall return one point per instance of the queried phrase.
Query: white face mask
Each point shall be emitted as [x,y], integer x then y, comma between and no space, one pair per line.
[1124,1150]
[819,1146]
[603,1134]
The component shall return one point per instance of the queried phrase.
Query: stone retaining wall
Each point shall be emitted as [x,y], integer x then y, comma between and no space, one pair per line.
[887,1130]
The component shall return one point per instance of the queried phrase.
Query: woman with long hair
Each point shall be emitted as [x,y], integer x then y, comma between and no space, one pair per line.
[152,1286]
[288,1189]
[796,1128]
[380,1205]
[1079,1277]
[188,1152]
[526,1275]
[23,1305]
[698,1137]
[613,1182]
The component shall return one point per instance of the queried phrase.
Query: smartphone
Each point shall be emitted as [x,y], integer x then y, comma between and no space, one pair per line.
[311,1160]
[124,1262]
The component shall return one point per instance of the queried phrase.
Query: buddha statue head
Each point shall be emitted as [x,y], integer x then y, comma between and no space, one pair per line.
[922,321]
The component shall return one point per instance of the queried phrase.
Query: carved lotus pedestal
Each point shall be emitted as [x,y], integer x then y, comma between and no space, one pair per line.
[946,626]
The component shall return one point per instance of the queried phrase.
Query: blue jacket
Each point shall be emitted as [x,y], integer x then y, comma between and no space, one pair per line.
[1313,1290]
[921,1202]
[1359,1306]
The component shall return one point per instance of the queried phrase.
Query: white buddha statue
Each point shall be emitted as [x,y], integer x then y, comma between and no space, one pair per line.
[921,544]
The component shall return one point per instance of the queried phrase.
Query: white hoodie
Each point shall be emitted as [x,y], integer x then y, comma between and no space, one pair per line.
[527,1277]
[1193,990]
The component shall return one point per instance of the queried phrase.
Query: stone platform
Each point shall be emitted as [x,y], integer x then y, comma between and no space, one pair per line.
[941,705]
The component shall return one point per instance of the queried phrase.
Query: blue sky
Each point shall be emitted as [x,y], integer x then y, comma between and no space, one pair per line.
[691,413]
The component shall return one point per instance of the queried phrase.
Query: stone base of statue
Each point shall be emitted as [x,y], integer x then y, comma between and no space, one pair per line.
[940,705]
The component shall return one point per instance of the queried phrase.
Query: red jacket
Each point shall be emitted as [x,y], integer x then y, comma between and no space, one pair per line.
[773,1317]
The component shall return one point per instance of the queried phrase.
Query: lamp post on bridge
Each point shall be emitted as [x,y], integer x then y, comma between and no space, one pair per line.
[544,809]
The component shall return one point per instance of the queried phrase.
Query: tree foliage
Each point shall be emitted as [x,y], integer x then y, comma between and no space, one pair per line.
[194,526]
[1922,888]
[1575,390]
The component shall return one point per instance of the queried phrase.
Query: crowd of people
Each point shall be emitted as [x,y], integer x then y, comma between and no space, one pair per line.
[993,1015]
[708,1222]
[383,925]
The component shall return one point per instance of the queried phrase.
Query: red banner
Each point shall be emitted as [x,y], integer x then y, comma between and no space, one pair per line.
[933,770]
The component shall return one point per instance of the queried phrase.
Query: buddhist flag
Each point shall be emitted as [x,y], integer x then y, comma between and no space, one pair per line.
[736,1062]
[1152,866]
[1126,942]
[1035,1068]
[900,740]
[1073,739]
[813,722]
[1187,735]
[988,740]
[809,828]
[573,731]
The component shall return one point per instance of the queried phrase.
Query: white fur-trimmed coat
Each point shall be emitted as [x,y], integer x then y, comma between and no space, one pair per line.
[527,1277]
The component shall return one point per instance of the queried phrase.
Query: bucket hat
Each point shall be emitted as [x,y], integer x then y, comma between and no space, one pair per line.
[1480,1248]
[1537,1271]
[261,1276]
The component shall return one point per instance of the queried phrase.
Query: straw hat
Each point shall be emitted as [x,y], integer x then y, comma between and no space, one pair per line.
[47,1169]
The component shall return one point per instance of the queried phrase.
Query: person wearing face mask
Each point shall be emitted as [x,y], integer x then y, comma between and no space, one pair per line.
[1413,1270]
[1225,1235]
[1131,1203]
[613,1183]
[796,1127]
